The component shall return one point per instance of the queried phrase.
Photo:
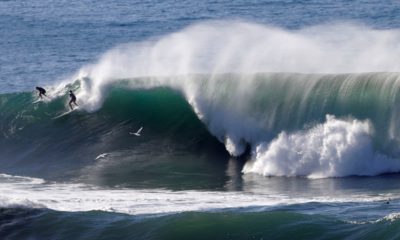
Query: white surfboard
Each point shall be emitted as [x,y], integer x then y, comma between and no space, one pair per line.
[64,114]
[39,100]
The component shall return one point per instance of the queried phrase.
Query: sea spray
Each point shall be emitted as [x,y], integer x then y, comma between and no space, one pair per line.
[244,48]
[335,148]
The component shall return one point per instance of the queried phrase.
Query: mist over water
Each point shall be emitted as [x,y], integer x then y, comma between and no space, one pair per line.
[242,47]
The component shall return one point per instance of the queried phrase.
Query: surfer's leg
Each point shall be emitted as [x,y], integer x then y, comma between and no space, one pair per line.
[70,105]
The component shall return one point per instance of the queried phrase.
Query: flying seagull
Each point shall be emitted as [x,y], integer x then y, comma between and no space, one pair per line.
[103,155]
[137,133]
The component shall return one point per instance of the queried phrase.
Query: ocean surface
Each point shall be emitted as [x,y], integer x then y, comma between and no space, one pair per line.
[261,119]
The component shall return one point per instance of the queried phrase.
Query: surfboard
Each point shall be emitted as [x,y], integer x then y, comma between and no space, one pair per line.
[39,100]
[64,114]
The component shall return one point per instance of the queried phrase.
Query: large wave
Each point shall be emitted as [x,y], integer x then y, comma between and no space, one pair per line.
[248,84]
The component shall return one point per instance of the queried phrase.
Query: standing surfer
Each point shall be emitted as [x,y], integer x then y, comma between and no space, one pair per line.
[73,99]
[42,91]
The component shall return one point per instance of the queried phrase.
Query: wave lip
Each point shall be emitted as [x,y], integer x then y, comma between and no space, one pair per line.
[336,148]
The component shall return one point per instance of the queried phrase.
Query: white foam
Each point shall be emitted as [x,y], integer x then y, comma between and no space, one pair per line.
[389,218]
[81,197]
[335,148]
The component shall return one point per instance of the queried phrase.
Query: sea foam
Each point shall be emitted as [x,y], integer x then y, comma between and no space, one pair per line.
[335,148]
[71,197]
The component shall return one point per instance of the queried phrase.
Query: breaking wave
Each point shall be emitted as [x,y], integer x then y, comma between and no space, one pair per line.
[307,102]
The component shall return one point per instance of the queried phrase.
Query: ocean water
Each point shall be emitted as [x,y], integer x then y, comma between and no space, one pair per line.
[261,120]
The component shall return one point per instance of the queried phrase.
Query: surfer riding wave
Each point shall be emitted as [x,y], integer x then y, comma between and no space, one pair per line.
[73,99]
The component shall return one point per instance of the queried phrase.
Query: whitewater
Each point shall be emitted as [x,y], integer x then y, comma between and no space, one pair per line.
[157,202]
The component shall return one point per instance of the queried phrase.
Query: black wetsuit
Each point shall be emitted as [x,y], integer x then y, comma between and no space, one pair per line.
[42,91]
[73,99]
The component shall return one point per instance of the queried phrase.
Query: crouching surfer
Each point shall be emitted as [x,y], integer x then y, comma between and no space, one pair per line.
[73,99]
[42,92]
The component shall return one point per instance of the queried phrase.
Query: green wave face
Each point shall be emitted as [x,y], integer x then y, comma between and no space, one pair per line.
[32,142]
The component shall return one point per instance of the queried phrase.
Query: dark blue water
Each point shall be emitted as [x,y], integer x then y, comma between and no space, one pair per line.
[45,41]
[84,177]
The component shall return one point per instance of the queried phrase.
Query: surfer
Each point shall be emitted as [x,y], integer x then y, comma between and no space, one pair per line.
[42,91]
[73,99]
